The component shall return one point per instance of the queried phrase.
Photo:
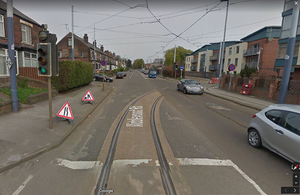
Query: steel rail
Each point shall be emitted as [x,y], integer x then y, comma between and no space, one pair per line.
[102,182]
[164,166]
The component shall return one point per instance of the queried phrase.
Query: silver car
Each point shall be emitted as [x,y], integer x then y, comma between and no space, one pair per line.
[277,128]
[190,86]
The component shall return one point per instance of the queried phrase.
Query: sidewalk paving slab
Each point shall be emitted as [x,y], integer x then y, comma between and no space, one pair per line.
[26,134]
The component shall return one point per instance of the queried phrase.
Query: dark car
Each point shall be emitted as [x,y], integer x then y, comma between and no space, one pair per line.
[120,75]
[190,86]
[99,77]
[125,74]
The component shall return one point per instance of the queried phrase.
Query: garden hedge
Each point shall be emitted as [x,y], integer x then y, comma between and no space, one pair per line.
[73,74]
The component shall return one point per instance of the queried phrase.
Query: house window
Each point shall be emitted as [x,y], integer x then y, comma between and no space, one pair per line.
[26,33]
[60,54]
[30,59]
[2,30]
[236,61]
[81,54]
[229,62]
[4,71]
[230,50]
[237,49]
[69,41]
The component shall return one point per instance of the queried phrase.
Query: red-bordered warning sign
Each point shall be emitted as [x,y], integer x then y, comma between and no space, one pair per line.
[66,112]
[88,96]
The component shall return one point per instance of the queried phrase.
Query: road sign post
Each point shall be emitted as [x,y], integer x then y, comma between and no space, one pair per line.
[181,69]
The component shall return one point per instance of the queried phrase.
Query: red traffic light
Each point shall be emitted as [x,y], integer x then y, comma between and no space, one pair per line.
[42,51]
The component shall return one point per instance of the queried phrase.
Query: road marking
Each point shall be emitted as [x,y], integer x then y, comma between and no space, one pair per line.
[133,162]
[78,165]
[23,185]
[215,162]
[131,75]
[215,106]
[136,119]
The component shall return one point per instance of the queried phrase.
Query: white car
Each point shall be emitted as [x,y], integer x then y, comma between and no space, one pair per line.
[277,128]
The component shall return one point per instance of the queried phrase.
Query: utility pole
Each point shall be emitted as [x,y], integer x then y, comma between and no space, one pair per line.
[223,45]
[72,33]
[289,55]
[219,61]
[11,63]
[175,61]
[94,51]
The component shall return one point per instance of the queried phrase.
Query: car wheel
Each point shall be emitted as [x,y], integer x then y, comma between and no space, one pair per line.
[184,91]
[254,138]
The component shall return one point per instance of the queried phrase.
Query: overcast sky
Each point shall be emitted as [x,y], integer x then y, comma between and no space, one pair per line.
[129,29]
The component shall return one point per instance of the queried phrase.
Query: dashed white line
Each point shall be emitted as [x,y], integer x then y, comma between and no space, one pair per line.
[131,75]
[23,185]
[78,165]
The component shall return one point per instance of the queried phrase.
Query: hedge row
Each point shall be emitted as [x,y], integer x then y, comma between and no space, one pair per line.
[170,72]
[73,74]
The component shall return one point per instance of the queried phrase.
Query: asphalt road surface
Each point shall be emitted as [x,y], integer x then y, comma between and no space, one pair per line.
[204,139]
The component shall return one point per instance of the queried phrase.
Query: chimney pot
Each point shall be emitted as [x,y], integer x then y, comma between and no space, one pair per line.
[86,38]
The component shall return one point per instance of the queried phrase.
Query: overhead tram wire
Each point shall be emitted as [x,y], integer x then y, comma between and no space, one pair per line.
[105,19]
[178,36]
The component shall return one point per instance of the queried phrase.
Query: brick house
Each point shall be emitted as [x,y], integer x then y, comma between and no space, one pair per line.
[84,51]
[25,38]
[262,50]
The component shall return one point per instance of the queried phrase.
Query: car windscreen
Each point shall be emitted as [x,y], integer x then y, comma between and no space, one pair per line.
[152,72]
[191,82]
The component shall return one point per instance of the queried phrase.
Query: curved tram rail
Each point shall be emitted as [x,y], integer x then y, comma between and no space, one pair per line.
[164,168]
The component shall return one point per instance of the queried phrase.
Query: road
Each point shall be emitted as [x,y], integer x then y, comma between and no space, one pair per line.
[204,140]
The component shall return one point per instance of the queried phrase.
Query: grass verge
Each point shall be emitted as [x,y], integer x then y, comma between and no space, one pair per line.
[23,93]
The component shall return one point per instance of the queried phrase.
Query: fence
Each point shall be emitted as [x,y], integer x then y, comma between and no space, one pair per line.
[31,72]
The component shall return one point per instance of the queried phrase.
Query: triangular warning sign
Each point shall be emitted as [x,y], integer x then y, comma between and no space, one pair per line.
[65,111]
[88,96]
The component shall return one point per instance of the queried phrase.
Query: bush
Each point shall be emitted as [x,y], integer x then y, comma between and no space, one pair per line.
[246,72]
[73,74]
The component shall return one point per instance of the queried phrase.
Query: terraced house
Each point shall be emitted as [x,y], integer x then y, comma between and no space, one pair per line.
[84,51]
[26,37]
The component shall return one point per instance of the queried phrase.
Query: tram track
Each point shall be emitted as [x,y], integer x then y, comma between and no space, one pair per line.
[167,182]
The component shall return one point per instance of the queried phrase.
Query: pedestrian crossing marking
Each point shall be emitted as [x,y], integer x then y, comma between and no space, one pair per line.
[65,111]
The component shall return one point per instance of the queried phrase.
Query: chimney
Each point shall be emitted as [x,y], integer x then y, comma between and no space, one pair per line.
[102,48]
[86,38]
[95,43]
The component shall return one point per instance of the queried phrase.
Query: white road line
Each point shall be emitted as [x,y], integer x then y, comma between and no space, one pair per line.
[131,162]
[78,165]
[215,162]
[23,185]
[131,75]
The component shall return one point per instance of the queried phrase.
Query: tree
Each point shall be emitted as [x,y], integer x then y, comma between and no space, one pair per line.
[129,63]
[180,55]
[138,63]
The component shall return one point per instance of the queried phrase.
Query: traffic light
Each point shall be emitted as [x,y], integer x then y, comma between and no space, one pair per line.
[44,59]
[176,66]
[54,50]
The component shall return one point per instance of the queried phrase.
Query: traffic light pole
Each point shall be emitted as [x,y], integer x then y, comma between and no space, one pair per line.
[50,103]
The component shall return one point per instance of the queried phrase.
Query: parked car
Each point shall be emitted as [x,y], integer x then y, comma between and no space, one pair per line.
[108,79]
[120,75]
[99,77]
[277,128]
[146,71]
[125,74]
[190,86]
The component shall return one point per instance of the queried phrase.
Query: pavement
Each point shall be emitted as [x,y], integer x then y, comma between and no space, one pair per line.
[26,134]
